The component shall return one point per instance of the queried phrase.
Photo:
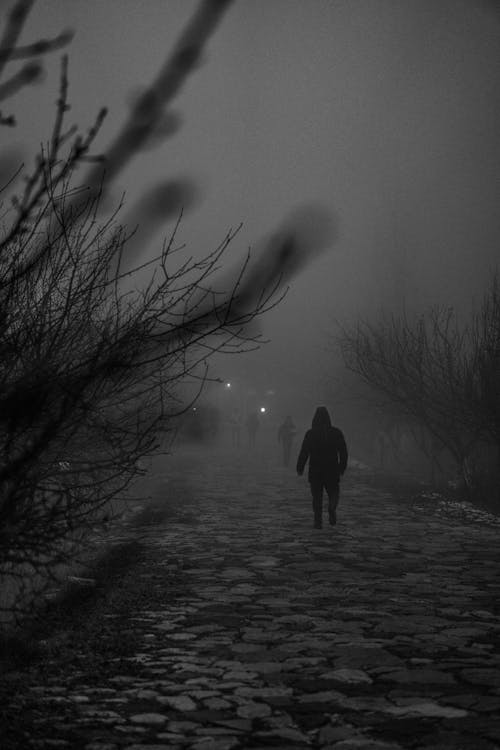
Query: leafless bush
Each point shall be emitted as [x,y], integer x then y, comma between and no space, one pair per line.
[90,374]
[94,363]
[442,377]
[416,364]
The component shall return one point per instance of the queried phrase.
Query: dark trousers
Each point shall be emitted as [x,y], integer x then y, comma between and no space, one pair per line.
[331,485]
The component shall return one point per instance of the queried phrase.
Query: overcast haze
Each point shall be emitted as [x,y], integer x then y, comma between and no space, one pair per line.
[387,113]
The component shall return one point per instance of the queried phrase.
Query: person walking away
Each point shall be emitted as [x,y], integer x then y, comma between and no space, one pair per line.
[252,427]
[286,435]
[325,448]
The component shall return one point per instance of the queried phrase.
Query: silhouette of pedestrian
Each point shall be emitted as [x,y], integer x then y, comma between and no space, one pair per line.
[325,447]
[286,434]
[252,424]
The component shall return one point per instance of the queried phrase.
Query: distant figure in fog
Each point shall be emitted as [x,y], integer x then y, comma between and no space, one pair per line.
[286,435]
[235,422]
[326,450]
[252,427]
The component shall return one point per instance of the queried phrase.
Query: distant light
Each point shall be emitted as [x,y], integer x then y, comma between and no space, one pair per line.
[262,409]
[228,385]
[194,408]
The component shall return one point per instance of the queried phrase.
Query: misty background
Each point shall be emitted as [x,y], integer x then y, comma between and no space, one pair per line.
[384,113]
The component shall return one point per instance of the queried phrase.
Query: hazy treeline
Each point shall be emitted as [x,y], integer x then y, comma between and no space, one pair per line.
[428,387]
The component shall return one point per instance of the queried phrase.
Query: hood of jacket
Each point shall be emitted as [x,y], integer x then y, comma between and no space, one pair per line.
[321,421]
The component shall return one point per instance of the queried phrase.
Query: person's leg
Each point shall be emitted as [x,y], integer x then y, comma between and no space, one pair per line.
[317,503]
[332,489]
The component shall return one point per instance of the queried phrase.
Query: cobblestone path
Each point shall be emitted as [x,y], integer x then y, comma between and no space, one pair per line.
[238,625]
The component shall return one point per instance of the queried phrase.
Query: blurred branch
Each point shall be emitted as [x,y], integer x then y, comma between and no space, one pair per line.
[13,28]
[29,73]
[41,47]
[148,111]
[32,71]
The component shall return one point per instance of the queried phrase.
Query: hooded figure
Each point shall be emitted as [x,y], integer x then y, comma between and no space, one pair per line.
[325,447]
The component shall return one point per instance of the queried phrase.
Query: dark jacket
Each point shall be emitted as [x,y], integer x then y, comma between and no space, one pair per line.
[325,447]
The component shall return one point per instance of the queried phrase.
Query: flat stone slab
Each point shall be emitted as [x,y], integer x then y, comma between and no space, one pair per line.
[349,676]
[149,719]
[252,710]
[429,709]
[420,676]
[487,677]
[178,702]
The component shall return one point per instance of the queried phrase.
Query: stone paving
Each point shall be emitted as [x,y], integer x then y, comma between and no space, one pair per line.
[238,625]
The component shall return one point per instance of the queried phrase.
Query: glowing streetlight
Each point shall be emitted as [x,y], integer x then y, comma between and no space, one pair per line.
[227,385]
[262,409]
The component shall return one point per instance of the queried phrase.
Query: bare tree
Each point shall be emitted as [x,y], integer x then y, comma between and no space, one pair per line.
[90,378]
[483,376]
[421,367]
[442,375]
[93,363]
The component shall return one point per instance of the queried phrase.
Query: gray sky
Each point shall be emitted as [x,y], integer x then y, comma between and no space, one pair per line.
[386,112]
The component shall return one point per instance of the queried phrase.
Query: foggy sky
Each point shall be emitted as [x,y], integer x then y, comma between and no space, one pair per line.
[385,112]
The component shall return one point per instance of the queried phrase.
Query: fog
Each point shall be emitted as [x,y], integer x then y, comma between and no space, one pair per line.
[385,114]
